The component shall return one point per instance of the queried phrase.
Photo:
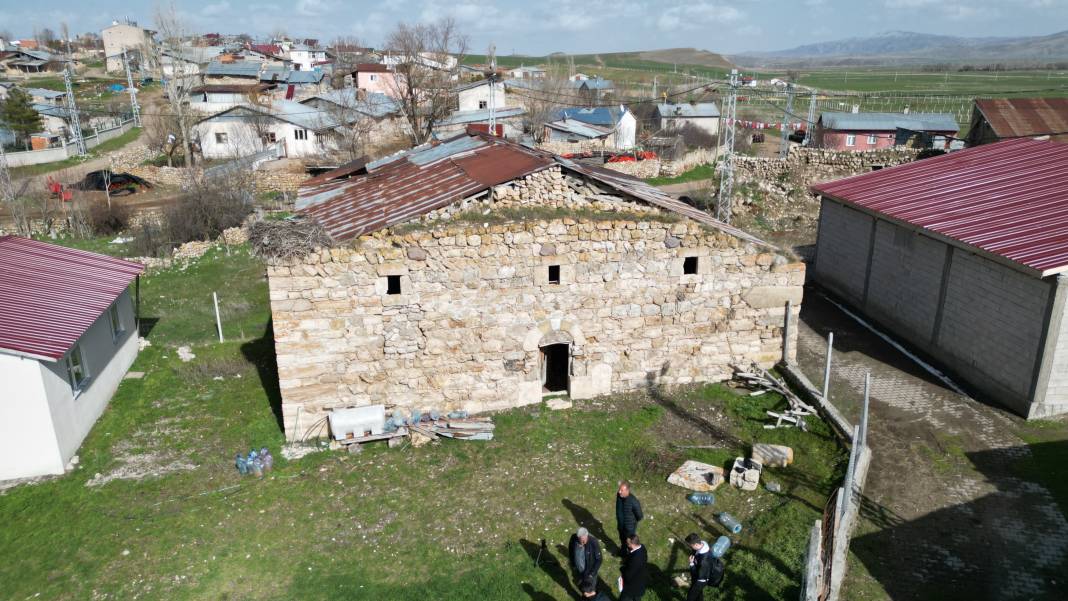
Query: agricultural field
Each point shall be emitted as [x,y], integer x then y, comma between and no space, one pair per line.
[156,510]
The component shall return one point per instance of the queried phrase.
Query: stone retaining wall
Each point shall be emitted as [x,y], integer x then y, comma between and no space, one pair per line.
[476,305]
[640,169]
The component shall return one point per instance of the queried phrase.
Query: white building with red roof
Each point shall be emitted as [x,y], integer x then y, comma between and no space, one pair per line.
[68,333]
[963,256]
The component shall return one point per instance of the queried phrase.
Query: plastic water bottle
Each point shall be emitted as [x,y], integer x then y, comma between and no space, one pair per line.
[242,466]
[267,458]
[457,415]
[257,466]
[701,498]
[417,416]
[720,547]
[728,521]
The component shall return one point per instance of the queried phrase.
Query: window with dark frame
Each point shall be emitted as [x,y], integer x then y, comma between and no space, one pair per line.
[220,137]
[77,373]
[393,284]
[554,274]
[300,134]
[483,104]
[116,322]
[689,266]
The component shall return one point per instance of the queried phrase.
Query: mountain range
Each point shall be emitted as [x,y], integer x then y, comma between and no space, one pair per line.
[917,48]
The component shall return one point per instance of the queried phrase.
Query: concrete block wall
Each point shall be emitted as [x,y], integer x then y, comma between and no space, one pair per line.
[1055,401]
[906,280]
[842,250]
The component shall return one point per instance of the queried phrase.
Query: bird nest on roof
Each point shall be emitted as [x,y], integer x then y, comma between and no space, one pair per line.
[288,239]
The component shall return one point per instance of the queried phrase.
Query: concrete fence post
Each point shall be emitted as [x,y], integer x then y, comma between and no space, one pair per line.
[218,320]
[813,575]
[827,367]
[864,411]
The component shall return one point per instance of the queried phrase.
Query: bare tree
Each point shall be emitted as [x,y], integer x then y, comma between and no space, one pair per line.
[543,98]
[178,85]
[347,52]
[426,59]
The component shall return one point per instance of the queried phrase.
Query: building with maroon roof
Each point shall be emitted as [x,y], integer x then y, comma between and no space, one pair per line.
[68,333]
[996,119]
[963,256]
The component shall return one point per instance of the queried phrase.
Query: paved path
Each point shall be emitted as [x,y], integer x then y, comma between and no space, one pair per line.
[947,514]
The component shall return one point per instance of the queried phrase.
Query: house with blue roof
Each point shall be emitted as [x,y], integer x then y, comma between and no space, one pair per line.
[612,127]
[872,131]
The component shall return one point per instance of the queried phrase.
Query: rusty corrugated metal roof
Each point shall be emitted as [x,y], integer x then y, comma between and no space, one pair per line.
[428,177]
[50,295]
[1007,200]
[1013,117]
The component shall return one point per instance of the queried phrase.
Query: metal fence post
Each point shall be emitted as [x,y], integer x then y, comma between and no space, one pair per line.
[827,368]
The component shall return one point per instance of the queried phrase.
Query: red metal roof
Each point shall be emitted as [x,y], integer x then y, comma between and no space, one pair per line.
[415,182]
[50,295]
[1008,199]
[1011,117]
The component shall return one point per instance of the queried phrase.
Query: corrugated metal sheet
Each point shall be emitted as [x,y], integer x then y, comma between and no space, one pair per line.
[579,129]
[1010,117]
[602,115]
[480,115]
[940,122]
[416,182]
[238,69]
[50,295]
[1008,200]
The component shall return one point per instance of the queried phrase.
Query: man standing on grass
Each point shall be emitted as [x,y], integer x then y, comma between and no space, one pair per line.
[628,514]
[584,551]
[634,571]
[705,570]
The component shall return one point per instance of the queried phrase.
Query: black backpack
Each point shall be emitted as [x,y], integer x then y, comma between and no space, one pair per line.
[716,572]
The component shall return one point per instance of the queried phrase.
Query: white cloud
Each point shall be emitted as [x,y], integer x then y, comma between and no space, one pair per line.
[315,8]
[216,9]
[697,15]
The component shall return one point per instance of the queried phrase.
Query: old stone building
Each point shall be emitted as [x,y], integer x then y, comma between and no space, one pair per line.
[480,274]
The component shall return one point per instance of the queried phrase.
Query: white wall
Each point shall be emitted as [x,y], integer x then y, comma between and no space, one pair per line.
[50,155]
[469,99]
[242,140]
[107,360]
[27,440]
[626,131]
[709,124]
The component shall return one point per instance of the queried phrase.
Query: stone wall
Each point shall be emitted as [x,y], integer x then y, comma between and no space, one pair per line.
[476,305]
[695,158]
[810,165]
[561,147]
[640,169]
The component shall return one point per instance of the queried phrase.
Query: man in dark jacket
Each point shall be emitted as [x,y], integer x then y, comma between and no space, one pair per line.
[628,514]
[634,571]
[584,552]
[705,570]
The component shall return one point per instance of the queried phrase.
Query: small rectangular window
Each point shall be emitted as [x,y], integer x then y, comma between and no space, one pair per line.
[116,321]
[554,274]
[393,284]
[851,140]
[76,370]
[220,137]
[689,265]
[300,134]
[270,137]
[871,139]
[374,78]
[483,104]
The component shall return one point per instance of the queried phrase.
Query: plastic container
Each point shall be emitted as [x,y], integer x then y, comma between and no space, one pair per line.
[267,458]
[701,498]
[729,522]
[720,547]
[434,415]
[240,464]
[774,487]
[257,466]
[457,415]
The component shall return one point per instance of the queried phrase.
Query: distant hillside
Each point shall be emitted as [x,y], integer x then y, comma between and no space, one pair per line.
[654,60]
[685,56]
[912,47]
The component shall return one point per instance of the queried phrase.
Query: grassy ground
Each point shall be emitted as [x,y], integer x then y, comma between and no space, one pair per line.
[701,172]
[96,151]
[451,521]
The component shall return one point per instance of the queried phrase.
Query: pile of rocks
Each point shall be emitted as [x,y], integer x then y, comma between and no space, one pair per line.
[640,169]
[132,156]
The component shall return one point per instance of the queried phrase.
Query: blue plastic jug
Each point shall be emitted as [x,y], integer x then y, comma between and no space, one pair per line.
[720,547]
[701,498]
[728,521]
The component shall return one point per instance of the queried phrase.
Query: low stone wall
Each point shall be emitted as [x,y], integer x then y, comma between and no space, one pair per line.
[279,181]
[573,147]
[695,158]
[810,165]
[476,306]
[640,169]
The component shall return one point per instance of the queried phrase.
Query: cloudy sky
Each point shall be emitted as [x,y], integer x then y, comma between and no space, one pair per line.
[542,26]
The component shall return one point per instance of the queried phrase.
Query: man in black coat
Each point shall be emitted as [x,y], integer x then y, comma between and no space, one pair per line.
[628,514]
[705,570]
[634,571]
[584,552]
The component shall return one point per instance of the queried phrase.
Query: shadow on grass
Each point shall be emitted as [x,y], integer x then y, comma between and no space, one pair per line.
[260,352]
[145,325]
[536,595]
[546,561]
[653,389]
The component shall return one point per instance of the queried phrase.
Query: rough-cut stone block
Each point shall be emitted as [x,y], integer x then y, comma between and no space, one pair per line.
[558,403]
[694,475]
[766,297]
[745,474]
[772,455]
[416,254]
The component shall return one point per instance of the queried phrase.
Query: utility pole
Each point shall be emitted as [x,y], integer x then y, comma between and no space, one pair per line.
[7,191]
[72,108]
[654,86]
[784,147]
[726,182]
[811,121]
[493,90]
[136,108]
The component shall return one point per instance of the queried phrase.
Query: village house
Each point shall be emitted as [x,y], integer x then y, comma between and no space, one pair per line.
[872,131]
[611,127]
[375,116]
[527,73]
[377,78]
[964,257]
[592,90]
[509,122]
[997,118]
[306,58]
[443,290]
[68,333]
[213,98]
[247,129]
[135,40]
[16,60]
[477,95]
[702,115]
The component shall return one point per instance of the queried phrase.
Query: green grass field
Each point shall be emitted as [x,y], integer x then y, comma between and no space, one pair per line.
[452,520]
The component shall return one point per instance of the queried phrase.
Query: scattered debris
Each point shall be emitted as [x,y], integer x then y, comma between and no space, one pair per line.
[353,428]
[772,455]
[694,475]
[136,467]
[186,354]
[730,522]
[296,450]
[701,498]
[763,382]
[746,473]
[773,487]
[143,343]
[558,403]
